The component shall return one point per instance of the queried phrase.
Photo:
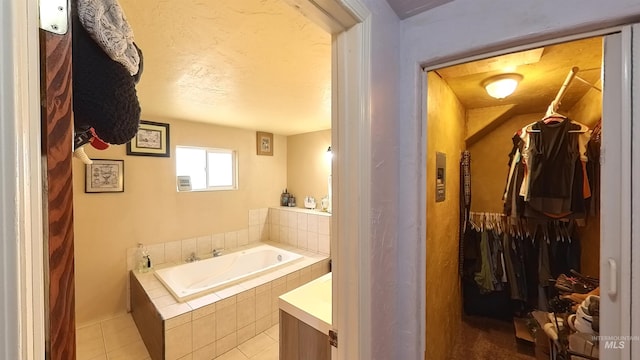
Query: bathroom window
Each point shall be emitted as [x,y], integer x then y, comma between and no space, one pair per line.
[208,169]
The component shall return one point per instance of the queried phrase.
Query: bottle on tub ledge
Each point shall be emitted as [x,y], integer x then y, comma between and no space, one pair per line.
[284,198]
[325,205]
[309,202]
[292,201]
[144,260]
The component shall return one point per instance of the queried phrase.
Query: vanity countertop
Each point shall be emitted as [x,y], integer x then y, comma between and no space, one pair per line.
[302,210]
[311,303]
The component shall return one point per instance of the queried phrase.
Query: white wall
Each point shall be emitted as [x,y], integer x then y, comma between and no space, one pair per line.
[21,302]
[9,341]
[390,333]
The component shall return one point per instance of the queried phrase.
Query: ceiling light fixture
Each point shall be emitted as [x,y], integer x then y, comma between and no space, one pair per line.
[501,86]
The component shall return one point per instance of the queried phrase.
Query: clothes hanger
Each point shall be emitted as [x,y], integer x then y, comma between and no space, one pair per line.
[552,111]
[559,234]
[554,118]
[557,118]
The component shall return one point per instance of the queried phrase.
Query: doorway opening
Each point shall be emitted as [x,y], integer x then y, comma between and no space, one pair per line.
[505,254]
[233,80]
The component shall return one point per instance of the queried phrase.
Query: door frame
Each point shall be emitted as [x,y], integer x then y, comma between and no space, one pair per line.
[616,205]
[22,261]
[617,145]
[349,22]
[635,192]
[22,266]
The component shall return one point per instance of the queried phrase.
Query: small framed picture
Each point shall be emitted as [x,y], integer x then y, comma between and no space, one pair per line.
[264,143]
[104,176]
[152,139]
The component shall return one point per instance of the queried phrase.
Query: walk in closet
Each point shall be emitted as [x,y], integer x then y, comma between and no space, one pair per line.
[513,203]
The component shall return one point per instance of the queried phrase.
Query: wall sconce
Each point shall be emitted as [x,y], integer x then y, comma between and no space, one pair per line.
[329,154]
[501,86]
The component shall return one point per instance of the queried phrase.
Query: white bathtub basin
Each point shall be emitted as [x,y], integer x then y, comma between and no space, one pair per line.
[191,280]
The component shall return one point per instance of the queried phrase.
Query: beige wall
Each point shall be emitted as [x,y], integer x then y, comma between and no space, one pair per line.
[490,164]
[308,168]
[446,132]
[589,111]
[151,210]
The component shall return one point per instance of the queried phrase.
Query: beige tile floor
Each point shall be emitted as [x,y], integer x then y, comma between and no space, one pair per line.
[118,339]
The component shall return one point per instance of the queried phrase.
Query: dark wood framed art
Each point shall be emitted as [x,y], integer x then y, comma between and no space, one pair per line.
[152,139]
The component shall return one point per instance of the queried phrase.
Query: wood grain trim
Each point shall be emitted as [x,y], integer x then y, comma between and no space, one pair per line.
[288,337]
[314,345]
[147,319]
[57,132]
[299,341]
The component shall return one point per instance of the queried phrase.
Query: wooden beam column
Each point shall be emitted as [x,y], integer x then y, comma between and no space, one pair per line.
[57,134]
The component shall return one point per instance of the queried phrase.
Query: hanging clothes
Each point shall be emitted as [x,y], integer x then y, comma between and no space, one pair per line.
[548,168]
[552,158]
[521,256]
[593,169]
[465,204]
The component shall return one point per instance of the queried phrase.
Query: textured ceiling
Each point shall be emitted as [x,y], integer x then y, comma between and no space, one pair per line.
[260,64]
[542,78]
[255,64]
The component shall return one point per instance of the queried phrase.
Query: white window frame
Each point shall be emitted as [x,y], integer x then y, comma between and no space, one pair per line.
[209,150]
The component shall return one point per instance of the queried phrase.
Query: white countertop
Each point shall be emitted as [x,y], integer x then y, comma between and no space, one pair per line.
[302,210]
[311,303]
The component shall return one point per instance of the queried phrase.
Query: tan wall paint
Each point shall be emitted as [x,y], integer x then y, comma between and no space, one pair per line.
[151,210]
[446,132]
[483,120]
[308,168]
[490,164]
[589,111]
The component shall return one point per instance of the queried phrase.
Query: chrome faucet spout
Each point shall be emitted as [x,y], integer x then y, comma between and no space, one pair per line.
[192,258]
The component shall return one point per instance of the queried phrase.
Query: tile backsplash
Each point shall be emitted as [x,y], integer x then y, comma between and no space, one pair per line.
[304,229]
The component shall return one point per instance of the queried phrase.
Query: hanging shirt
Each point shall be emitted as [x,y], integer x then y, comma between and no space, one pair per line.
[554,151]
[583,136]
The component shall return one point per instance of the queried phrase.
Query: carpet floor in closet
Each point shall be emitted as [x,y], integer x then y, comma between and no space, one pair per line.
[484,338]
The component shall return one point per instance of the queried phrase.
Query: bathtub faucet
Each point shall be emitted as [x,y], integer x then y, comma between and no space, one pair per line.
[217,252]
[192,258]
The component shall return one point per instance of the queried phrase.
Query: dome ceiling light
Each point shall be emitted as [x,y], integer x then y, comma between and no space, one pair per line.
[501,86]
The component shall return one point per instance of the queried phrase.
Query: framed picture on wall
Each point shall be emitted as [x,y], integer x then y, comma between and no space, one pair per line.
[264,143]
[152,139]
[104,176]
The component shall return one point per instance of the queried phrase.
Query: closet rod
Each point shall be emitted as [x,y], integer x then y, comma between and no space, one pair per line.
[553,107]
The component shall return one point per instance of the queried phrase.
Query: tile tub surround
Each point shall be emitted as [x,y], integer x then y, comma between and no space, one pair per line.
[305,229]
[308,230]
[209,326]
[179,250]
